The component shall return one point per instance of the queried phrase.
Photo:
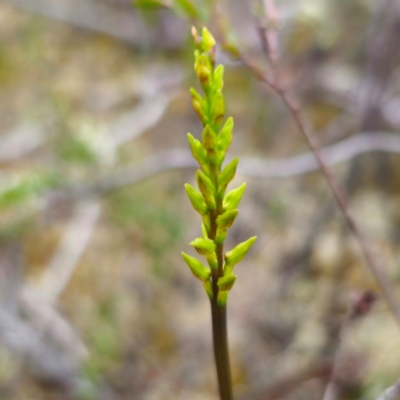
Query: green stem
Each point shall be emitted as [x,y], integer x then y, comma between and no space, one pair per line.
[218,312]
[221,351]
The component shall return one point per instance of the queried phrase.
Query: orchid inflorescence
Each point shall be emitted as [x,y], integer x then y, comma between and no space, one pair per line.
[217,208]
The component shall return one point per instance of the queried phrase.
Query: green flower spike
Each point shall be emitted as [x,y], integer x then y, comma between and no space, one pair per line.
[218,211]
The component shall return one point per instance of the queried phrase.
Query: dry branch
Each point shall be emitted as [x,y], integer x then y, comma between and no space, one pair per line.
[257,168]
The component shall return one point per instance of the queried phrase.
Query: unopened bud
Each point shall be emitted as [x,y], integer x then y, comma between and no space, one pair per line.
[203,246]
[226,282]
[232,198]
[207,189]
[227,174]
[237,254]
[198,269]
[196,199]
[222,297]
[199,153]
[225,220]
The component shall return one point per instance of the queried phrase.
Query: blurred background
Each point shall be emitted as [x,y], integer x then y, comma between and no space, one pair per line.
[95,300]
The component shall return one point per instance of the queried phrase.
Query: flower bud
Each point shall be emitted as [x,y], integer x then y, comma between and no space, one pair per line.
[204,231]
[208,288]
[196,199]
[210,142]
[237,254]
[198,269]
[199,105]
[227,174]
[203,246]
[203,69]
[207,189]
[220,236]
[206,221]
[218,82]
[225,220]
[199,152]
[197,39]
[212,260]
[225,136]
[232,198]
[208,40]
[218,110]
[225,283]
[222,297]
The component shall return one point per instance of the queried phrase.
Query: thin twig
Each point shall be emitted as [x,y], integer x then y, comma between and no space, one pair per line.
[74,241]
[122,24]
[304,127]
[391,393]
[282,387]
[289,167]
[360,306]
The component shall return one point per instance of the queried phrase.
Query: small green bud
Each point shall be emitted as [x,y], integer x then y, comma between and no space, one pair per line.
[220,236]
[197,39]
[208,288]
[199,105]
[217,111]
[203,246]
[210,142]
[237,254]
[212,260]
[227,174]
[196,199]
[232,198]
[208,40]
[206,221]
[226,282]
[225,220]
[203,69]
[204,231]
[225,136]
[198,269]
[218,82]
[206,188]
[222,297]
[199,152]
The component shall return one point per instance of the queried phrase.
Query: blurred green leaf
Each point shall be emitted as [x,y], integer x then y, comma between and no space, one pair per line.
[26,188]
[74,150]
[148,5]
[186,9]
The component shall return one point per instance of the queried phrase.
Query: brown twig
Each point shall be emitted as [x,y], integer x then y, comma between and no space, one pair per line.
[361,305]
[280,388]
[391,393]
[304,127]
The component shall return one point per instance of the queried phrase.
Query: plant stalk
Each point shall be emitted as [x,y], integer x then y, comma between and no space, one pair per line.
[219,313]
[221,351]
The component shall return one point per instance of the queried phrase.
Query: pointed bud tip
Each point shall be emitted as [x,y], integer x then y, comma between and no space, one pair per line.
[208,40]
[195,35]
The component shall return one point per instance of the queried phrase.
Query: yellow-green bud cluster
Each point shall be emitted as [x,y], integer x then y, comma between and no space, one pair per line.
[217,209]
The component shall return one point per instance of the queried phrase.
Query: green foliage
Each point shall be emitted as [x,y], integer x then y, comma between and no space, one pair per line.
[26,188]
[105,341]
[186,9]
[74,150]
[148,5]
[217,210]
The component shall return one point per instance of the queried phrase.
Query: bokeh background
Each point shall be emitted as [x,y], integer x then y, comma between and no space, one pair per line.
[96,302]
